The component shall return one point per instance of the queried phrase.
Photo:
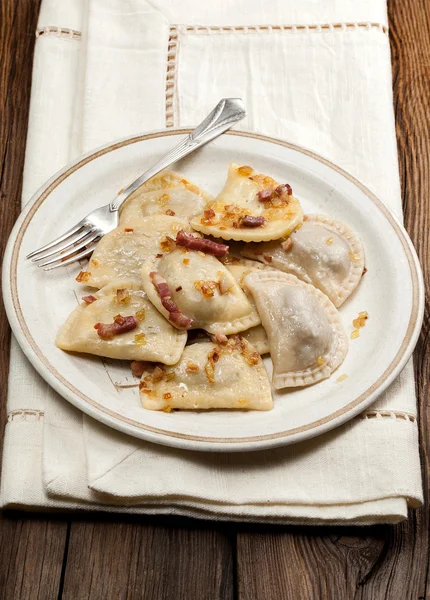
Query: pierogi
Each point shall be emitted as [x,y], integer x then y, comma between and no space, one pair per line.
[203,290]
[121,252]
[240,268]
[170,194]
[323,251]
[209,375]
[153,338]
[251,207]
[307,340]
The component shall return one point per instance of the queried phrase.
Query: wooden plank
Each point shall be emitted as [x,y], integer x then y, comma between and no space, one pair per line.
[360,563]
[304,562]
[158,558]
[31,548]
[31,557]
[381,562]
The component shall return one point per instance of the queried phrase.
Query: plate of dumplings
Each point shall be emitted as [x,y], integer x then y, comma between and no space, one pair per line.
[253,296]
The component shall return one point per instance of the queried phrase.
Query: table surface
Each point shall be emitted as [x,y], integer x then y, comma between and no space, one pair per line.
[104,557]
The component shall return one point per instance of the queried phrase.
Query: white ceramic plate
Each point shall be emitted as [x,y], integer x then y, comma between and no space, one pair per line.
[38,302]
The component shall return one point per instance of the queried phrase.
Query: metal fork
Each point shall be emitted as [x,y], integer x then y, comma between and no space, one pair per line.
[80,240]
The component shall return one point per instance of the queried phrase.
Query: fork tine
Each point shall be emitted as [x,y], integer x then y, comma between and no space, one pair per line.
[69,241]
[57,241]
[64,251]
[82,254]
[73,251]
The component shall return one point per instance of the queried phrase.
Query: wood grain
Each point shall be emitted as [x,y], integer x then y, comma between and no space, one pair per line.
[31,557]
[159,558]
[384,562]
[311,563]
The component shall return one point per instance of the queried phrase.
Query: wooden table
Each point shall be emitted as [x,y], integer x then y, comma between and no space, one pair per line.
[104,557]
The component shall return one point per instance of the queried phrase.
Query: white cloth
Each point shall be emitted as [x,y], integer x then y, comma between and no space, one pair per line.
[315,73]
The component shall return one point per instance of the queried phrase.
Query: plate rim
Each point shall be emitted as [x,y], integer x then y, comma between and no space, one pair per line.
[187,441]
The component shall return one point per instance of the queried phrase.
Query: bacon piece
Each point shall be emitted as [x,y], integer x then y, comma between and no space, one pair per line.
[284,188]
[120,325]
[281,190]
[208,216]
[250,221]
[194,243]
[175,315]
[264,195]
[138,367]
[89,299]
[180,319]
[213,357]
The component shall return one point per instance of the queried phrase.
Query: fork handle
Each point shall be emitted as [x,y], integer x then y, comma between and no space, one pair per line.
[225,114]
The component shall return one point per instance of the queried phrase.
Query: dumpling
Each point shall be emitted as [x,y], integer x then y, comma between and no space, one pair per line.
[195,290]
[168,194]
[240,268]
[129,327]
[257,337]
[306,336]
[120,253]
[251,207]
[209,375]
[323,251]
[169,179]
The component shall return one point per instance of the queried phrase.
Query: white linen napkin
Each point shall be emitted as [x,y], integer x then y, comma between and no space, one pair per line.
[317,74]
